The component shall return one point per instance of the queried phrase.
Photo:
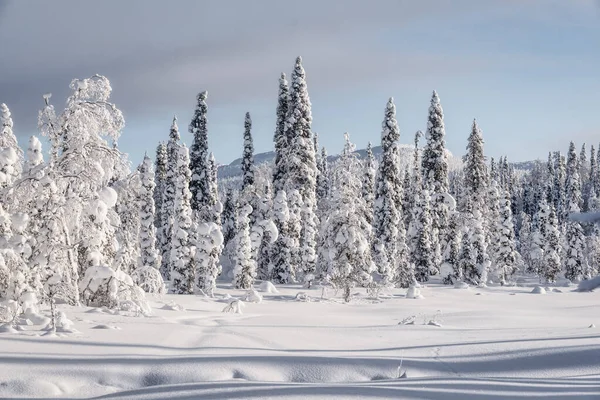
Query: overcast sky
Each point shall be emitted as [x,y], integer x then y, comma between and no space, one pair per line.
[529,71]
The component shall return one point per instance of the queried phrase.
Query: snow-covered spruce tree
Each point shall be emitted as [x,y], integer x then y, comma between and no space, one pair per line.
[537,243]
[422,253]
[302,169]
[492,220]
[208,243]
[160,176]
[475,168]
[347,231]
[574,257]
[450,269]
[525,242]
[551,265]
[593,178]
[280,138]
[11,159]
[482,260]
[228,217]
[149,255]
[549,184]
[389,234]
[181,263]
[435,176]
[168,200]
[244,271]
[127,208]
[505,254]
[199,154]
[282,250]
[368,184]
[265,232]
[560,173]
[248,156]
[322,183]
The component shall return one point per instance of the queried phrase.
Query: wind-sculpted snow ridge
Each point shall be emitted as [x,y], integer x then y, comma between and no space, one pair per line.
[501,344]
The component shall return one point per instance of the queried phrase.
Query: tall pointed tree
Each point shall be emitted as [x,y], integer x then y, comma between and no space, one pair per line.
[368,183]
[168,199]
[389,246]
[12,160]
[181,254]
[248,156]
[160,176]
[302,167]
[435,176]
[280,138]
[199,154]
[575,260]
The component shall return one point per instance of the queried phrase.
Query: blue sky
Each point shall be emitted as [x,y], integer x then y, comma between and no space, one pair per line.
[527,70]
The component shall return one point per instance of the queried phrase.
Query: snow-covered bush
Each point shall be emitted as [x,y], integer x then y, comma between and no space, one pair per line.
[101,286]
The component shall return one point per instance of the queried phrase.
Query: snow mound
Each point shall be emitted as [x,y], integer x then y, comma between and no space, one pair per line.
[234,306]
[104,326]
[35,318]
[555,290]
[589,284]
[302,296]
[268,287]
[414,292]
[7,328]
[538,290]
[172,307]
[461,285]
[592,326]
[252,296]
[408,320]
[434,323]
[32,388]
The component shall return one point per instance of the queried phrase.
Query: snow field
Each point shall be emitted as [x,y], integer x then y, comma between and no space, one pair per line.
[497,341]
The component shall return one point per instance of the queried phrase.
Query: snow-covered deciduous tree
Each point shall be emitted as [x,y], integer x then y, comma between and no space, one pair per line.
[248,156]
[244,271]
[35,157]
[347,231]
[181,263]
[199,154]
[280,138]
[11,155]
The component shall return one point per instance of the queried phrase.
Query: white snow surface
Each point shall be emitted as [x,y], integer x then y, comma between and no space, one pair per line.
[502,344]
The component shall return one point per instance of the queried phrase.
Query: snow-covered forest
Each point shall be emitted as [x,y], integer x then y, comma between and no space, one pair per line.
[79,225]
[83,231]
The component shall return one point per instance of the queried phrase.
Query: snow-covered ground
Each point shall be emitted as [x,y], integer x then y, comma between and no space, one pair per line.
[455,343]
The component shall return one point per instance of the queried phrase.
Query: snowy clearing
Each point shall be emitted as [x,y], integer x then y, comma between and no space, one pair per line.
[498,341]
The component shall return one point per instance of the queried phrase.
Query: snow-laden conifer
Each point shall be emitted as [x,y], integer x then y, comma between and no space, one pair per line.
[199,153]
[282,251]
[505,253]
[11,155]
[280,138]
[160,176]
[368,184]
[168,199]
[244,269]
[347,231]
[149,254]
[181,263]
[248,156]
